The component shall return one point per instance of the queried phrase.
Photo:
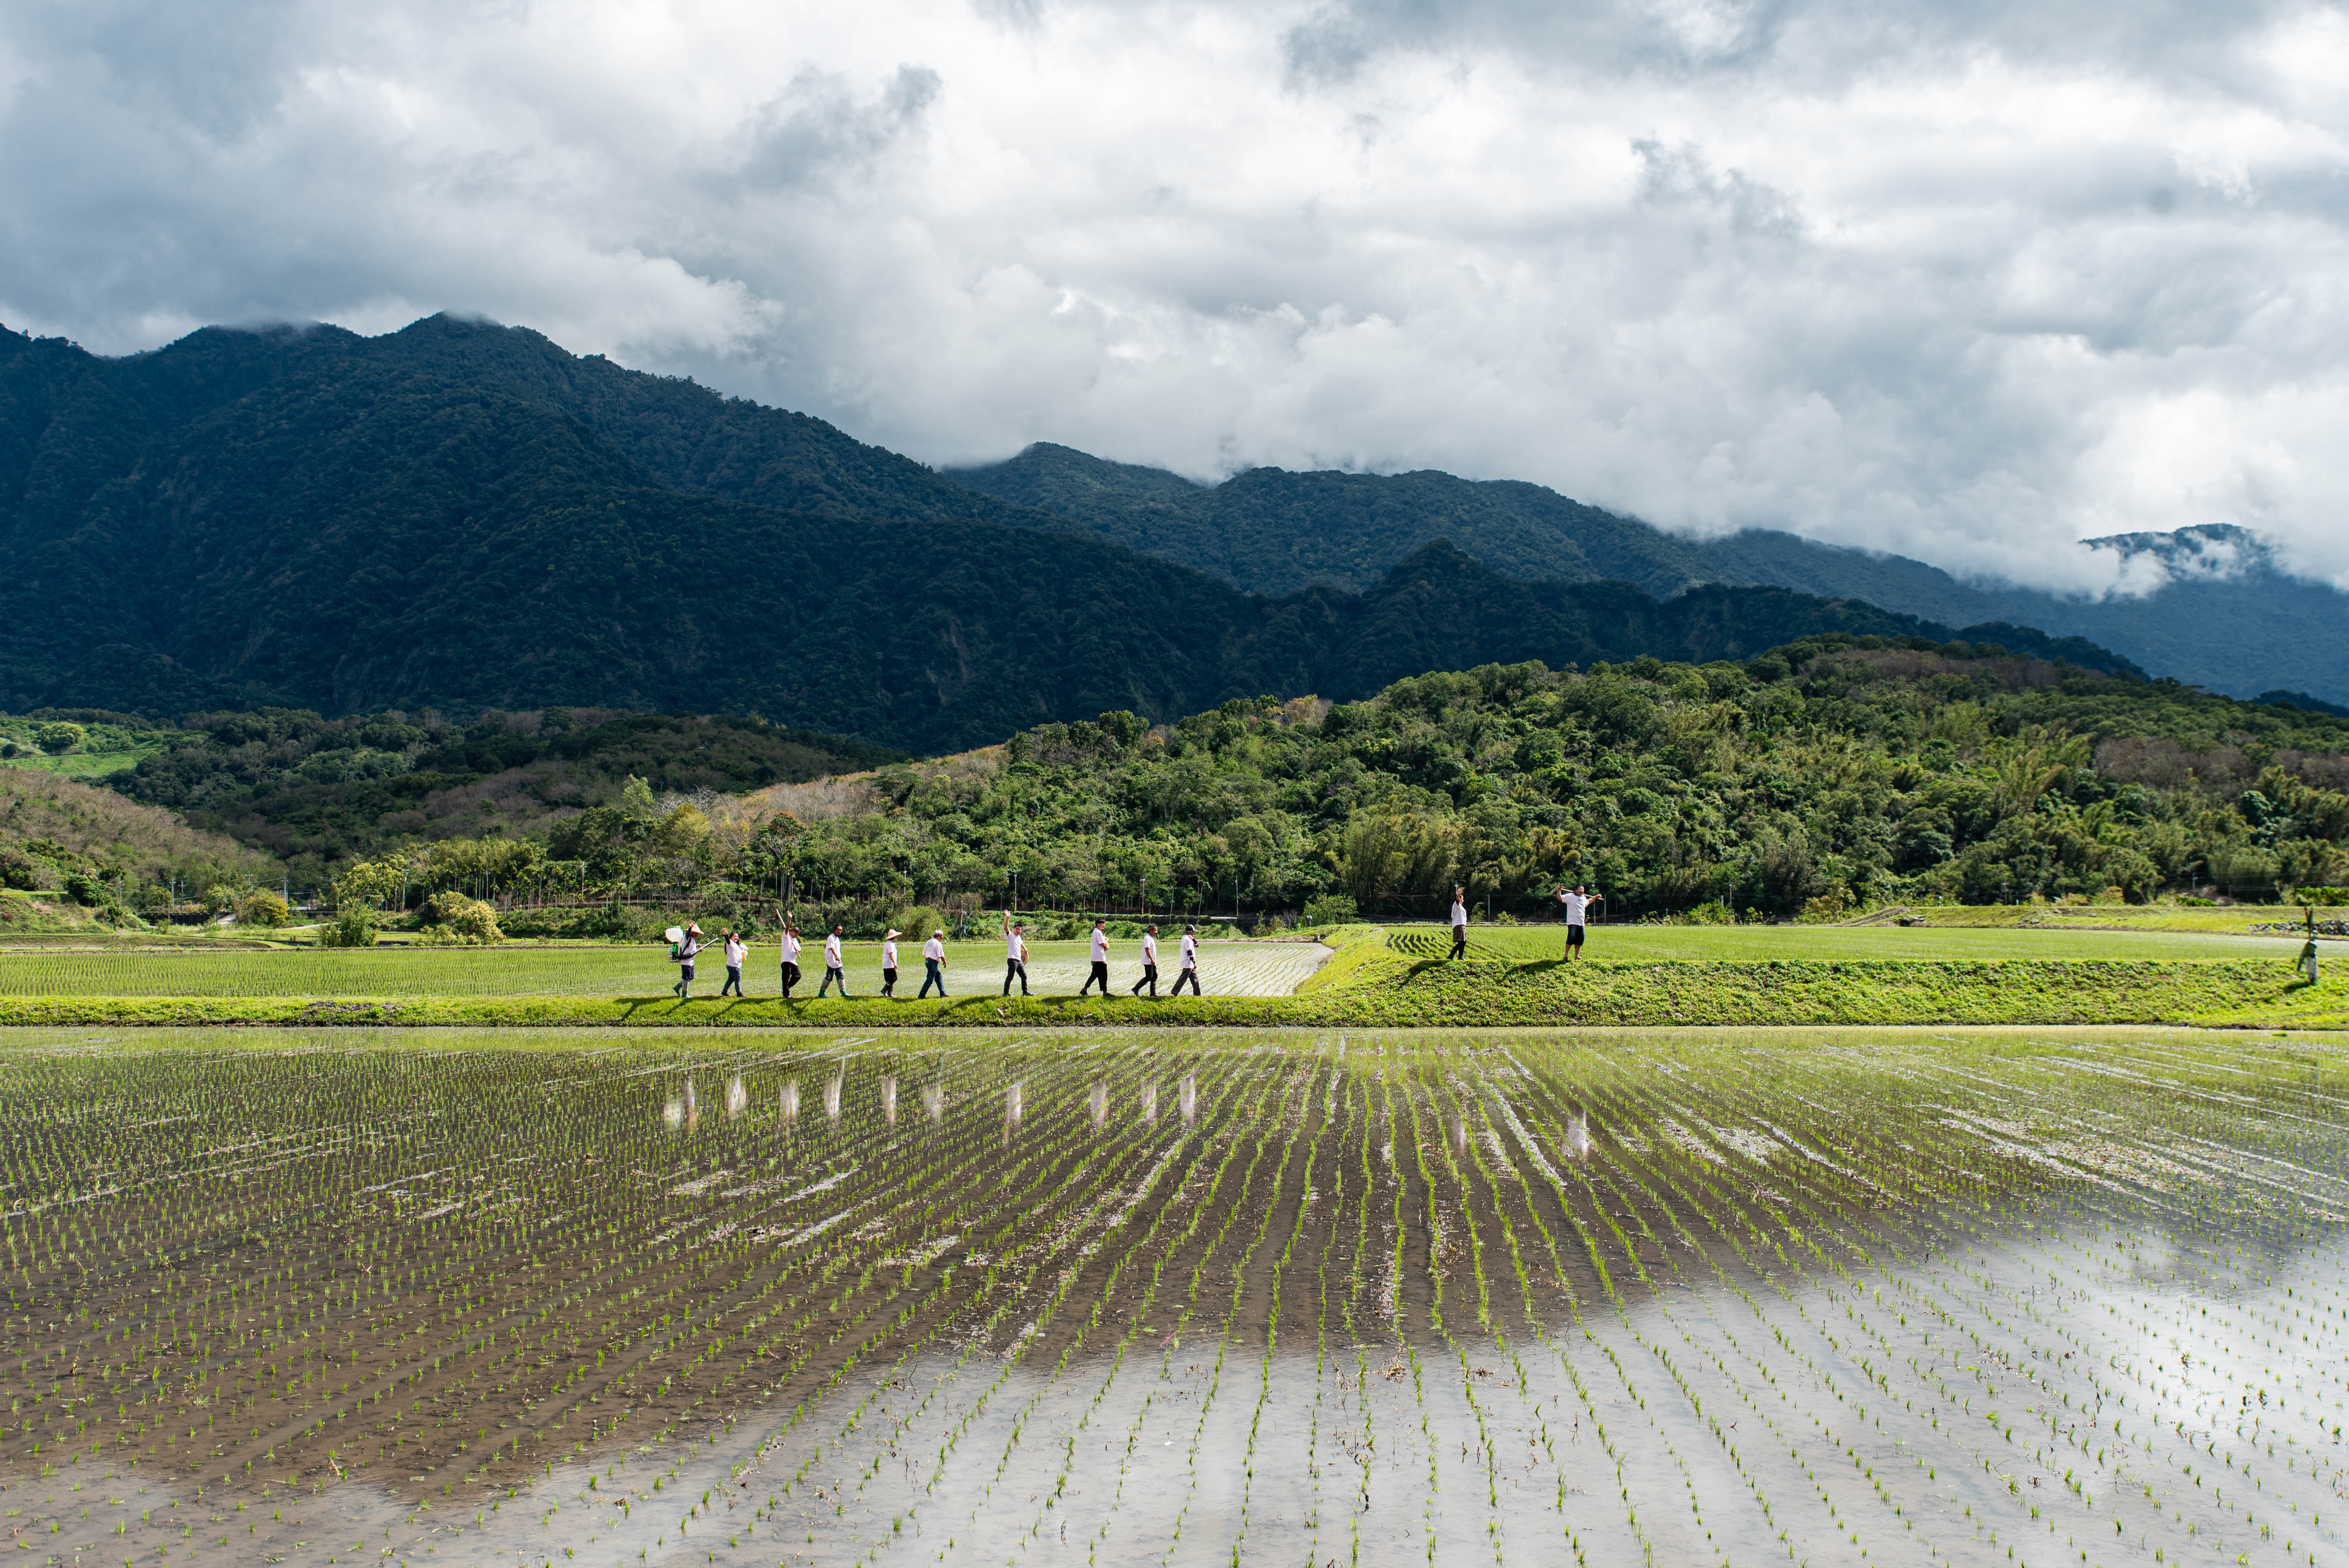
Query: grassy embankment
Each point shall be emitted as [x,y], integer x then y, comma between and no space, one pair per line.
[1650,977]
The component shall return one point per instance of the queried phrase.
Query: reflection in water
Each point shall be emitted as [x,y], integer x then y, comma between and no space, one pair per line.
[832,1098]
[1578,1137]
[788,1102]
[1454,1352]
[738,1098]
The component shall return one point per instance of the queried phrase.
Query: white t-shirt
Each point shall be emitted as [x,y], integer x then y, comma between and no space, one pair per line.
[1190,951]
[790,947]
[1459,913]
[1101,945]
[735,952]
[934,949]
[1013,949]
[1576,904]
[889,955]
[1150,950]
[831,951]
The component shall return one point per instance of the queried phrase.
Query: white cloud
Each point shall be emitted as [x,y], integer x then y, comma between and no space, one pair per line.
[1970,283]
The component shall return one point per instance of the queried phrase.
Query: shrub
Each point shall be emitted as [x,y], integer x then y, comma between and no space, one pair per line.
[59,739]
[2321,898]
[352,928]
[18,869]
[1331,909]
[1714,913]
[466,920]
[83,888]
[262,908]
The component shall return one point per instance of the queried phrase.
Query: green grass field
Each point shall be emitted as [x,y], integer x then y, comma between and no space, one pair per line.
[84,765]
[1753,944]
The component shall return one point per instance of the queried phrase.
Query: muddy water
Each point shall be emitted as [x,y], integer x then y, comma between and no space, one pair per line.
[1387,1300]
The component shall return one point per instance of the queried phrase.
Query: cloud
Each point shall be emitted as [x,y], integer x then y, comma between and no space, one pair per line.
[1970,281]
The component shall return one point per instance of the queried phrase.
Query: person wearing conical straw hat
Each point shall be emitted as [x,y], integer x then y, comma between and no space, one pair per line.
[690,944]
[889,964]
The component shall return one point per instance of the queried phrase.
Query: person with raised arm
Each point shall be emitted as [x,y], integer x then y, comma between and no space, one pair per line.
[832,974]
[790,946]
[1187,970]
[888,965]
[1149,964]
[1459,925]
[1015,954]
[1099,975]
[1577,906]
[933,954]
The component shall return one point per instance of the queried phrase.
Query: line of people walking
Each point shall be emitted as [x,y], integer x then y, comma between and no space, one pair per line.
[687,943]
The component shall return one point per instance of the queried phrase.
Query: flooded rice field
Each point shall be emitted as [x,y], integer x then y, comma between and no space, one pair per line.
[1672,1297]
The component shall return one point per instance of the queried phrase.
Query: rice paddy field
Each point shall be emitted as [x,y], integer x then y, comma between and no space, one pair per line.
[1226,968]
[1818,1296]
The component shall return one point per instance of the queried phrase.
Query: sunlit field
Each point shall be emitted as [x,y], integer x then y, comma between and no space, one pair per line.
[1226,968]
[1674,1297]
[1754,943]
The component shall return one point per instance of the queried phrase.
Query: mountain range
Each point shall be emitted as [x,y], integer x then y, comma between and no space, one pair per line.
[2231,617]
[464,514]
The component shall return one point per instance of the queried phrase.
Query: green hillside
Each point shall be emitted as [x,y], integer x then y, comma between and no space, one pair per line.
[2244,629]
[463,516]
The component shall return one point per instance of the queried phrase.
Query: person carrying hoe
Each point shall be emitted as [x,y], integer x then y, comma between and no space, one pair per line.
[832,971]
[690,945]
[791,957]
[1187,970]
[737,950]
[1459,925]
[1014,955]
[933,954]
[1099,975]
[1149,964]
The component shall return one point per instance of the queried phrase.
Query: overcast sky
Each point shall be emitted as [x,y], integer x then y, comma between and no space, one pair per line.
[1971,282]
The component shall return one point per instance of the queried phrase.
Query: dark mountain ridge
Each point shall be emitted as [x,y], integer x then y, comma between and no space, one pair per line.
[2232,618]
[463,515]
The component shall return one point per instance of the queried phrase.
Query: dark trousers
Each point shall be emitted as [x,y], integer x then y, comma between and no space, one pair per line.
[790,979]
[684,979]
[889,982]
[1573,939]
[733,982]
[1184,977]
[1100,977]
[832,974]
[1150,978]
[1459,943]
[936,977]
[1014,967]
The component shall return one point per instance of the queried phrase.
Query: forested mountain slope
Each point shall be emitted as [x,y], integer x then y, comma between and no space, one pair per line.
[2232,620]
[463,515]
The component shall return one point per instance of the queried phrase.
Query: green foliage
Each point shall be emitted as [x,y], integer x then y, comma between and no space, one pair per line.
[1330,910]
[1829,775]
[262,908]
[461,919]
[350,927]
[59,738]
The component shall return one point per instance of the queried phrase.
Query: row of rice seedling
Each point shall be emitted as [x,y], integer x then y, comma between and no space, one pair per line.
[1392,1298]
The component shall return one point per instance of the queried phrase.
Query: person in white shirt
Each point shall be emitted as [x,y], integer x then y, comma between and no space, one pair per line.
[1459,925]
[888,964]
[691,945]
[933,954]
[1014,955]
[791,958]
[736,950]
[1577,906]
[1149,964]
[1188,971]
[832,974]
[1099,975]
